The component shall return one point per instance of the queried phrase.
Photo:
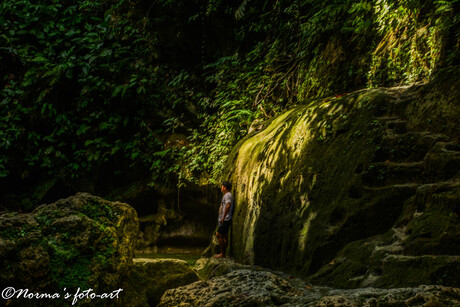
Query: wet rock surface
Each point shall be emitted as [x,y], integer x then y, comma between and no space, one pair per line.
[256,287]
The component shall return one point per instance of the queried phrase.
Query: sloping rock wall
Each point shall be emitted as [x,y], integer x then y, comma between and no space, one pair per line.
[350,190]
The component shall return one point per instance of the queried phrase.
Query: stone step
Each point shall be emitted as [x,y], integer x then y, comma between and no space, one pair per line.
[394,106]
[418,270]
[401,190]
[387,173]
[418,188]
[407,147]
[438,193]
[440,186]
[396,245]
[442,162]
[400,105]
[451,147]
[443,145]
[396,126]
[386,118]
[405,186]
[370,193]
[411,258]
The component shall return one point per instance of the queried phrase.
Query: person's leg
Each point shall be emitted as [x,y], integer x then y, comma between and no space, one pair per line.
[225,243]
[221,245]
[222,237]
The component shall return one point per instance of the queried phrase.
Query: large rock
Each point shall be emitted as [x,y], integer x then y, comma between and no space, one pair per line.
[262,288]
[238,288]
[351,191]
[150,278]
[81,241]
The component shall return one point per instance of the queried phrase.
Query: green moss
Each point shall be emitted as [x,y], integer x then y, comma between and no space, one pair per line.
[105,255]
[15,233]
[46,218]
[71,274]
[69,267]
[97,210]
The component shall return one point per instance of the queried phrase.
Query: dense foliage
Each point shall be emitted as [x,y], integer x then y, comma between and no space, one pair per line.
[77,89]
[169,86]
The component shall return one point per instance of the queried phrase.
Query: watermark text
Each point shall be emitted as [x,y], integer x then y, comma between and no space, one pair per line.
[12,293]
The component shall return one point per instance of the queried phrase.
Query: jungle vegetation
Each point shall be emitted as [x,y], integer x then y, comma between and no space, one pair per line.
[167,87]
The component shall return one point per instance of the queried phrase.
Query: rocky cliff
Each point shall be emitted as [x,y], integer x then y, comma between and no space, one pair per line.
[355,190]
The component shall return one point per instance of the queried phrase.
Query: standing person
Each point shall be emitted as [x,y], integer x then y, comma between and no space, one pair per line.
[225,218]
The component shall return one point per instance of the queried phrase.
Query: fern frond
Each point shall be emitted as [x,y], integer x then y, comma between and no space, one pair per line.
[239,13]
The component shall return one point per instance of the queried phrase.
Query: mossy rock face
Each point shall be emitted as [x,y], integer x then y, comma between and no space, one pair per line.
[150,278]
[81,241]
[295,184]
[333,189]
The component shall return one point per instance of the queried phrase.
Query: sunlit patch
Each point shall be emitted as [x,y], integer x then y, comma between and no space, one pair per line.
[303,239]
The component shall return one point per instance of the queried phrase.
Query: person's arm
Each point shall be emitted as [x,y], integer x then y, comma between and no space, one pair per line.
[226,210]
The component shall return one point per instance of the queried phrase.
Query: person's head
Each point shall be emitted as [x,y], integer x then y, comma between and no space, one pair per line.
[226,187]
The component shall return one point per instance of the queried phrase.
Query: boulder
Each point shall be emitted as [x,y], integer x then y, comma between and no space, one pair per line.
[79,242]
[238,288]
[150,278]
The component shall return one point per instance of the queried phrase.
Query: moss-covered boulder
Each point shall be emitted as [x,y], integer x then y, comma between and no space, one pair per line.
[150,278]
[340,189]
[82,241]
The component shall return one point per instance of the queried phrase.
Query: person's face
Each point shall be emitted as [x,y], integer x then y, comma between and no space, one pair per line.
[223,189]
